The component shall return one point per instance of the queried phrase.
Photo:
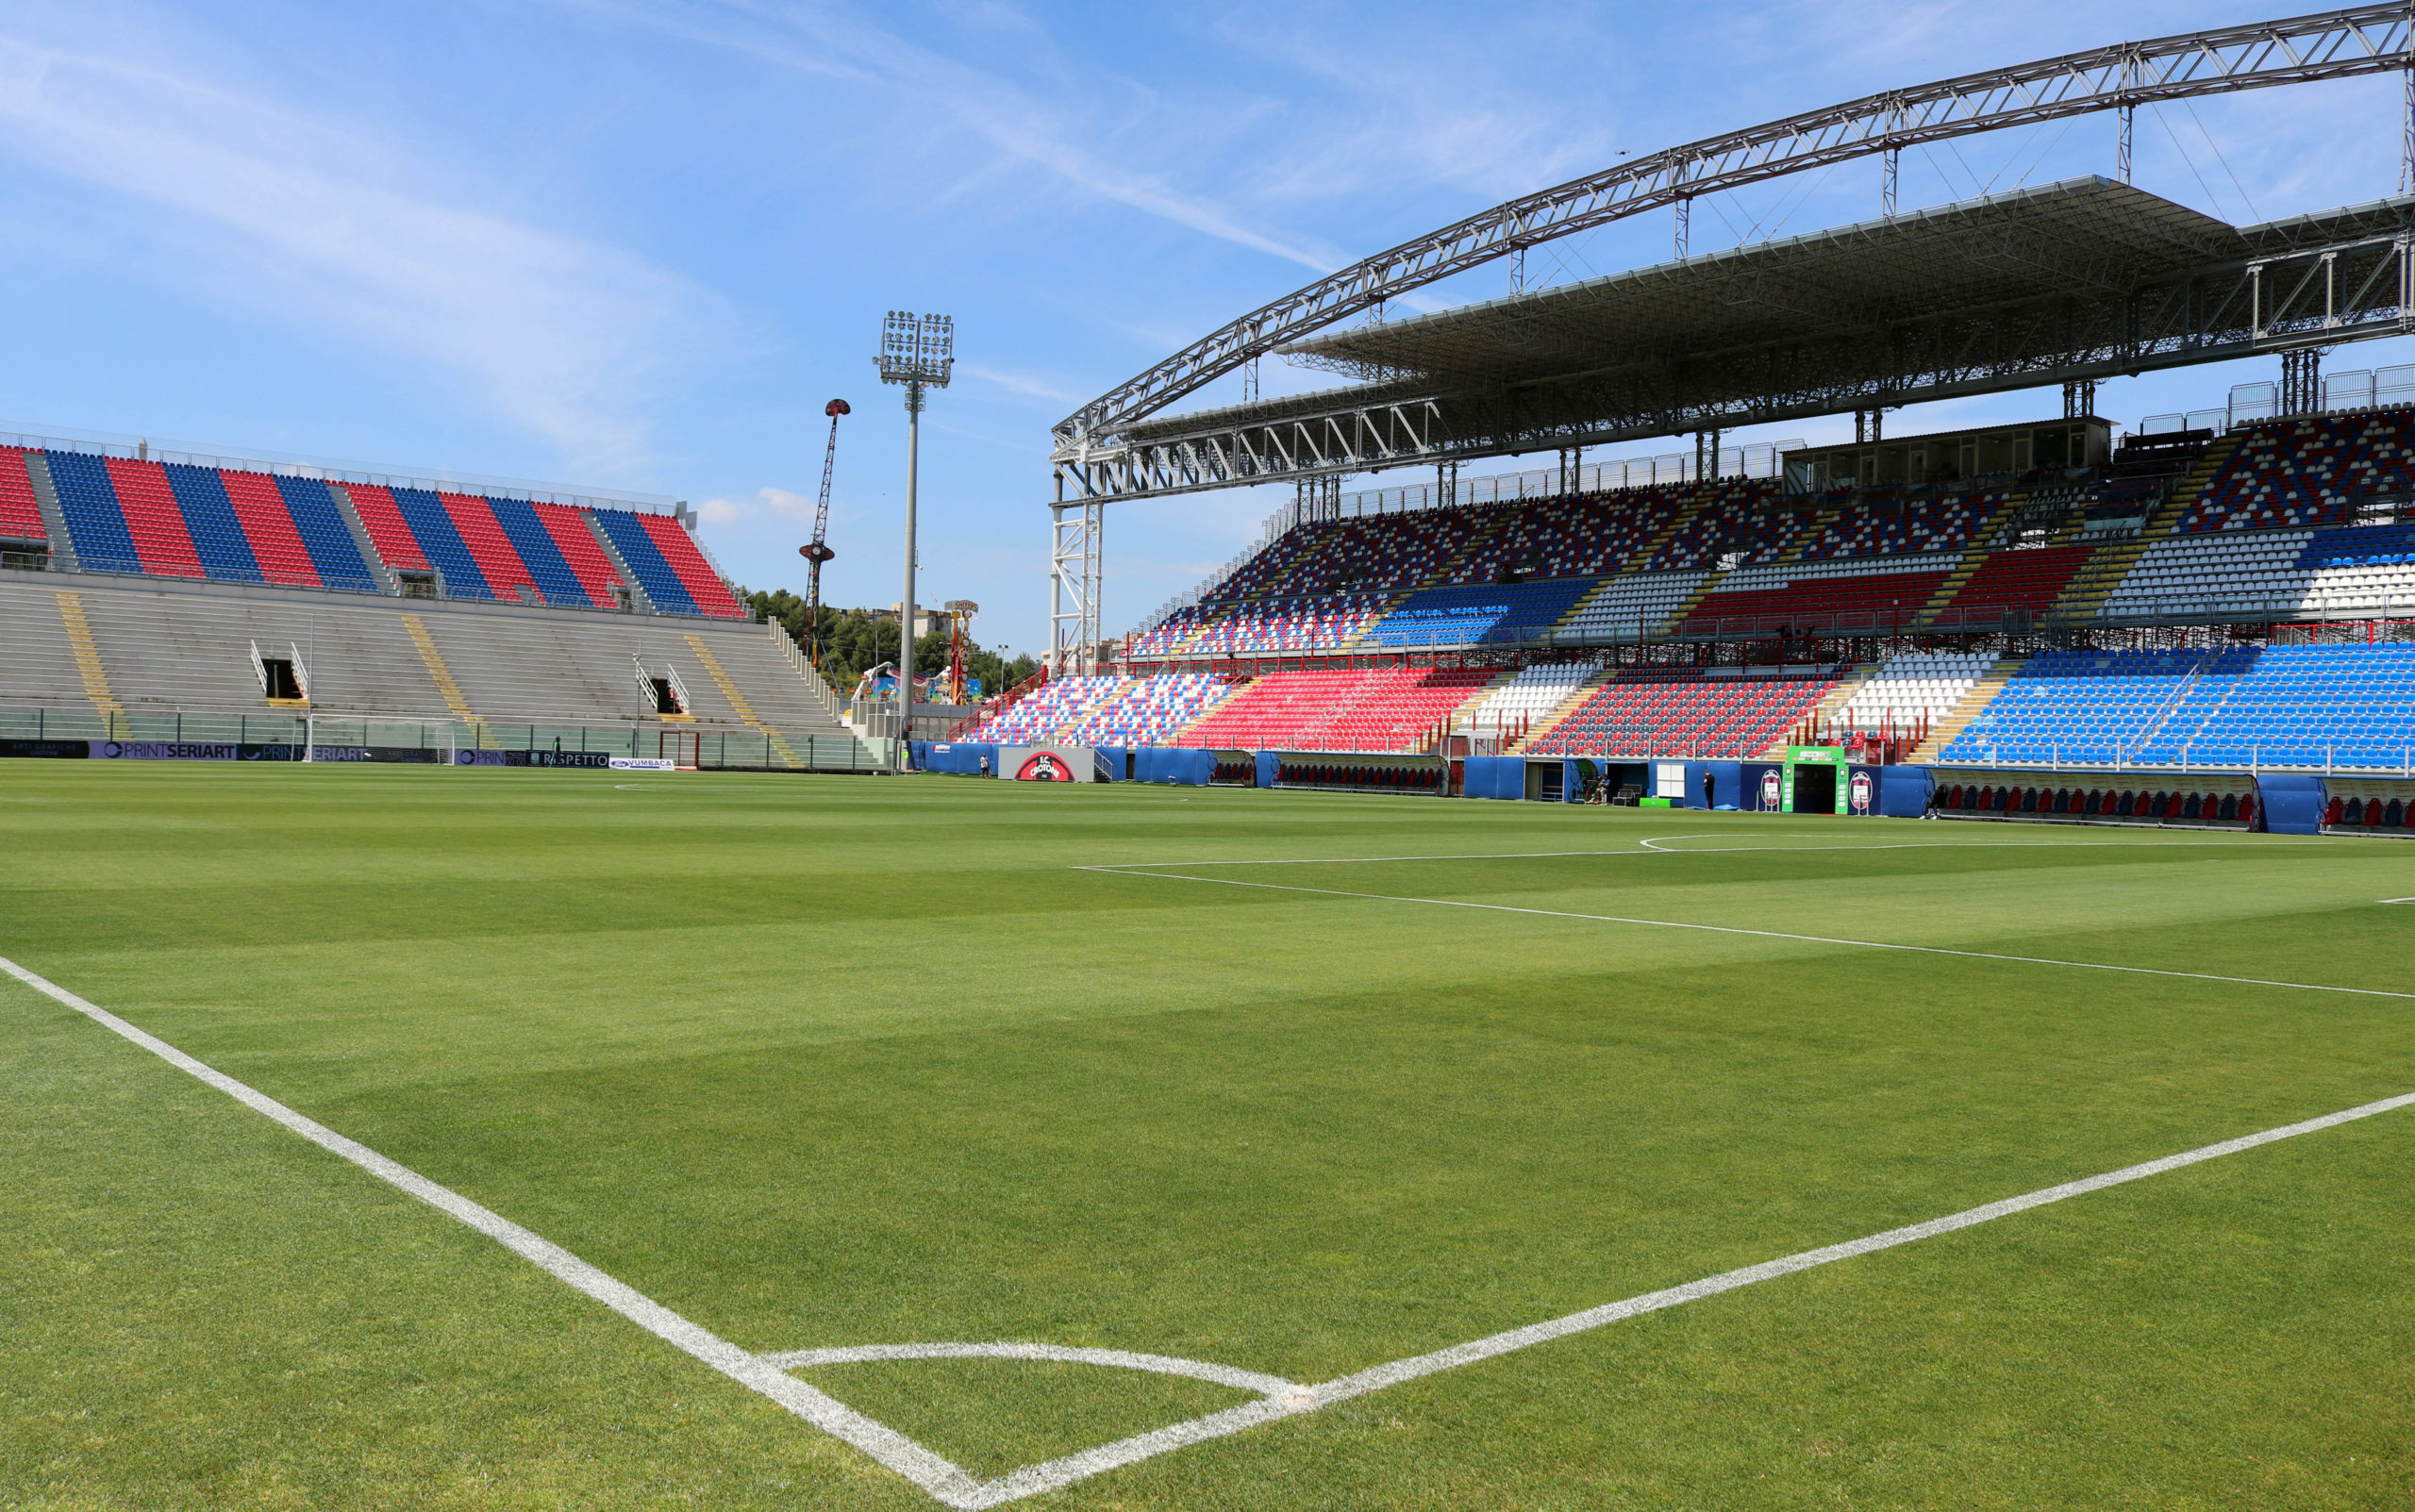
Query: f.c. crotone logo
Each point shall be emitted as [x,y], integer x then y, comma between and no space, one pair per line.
[1770,789]
[1860,799]
[1044,766]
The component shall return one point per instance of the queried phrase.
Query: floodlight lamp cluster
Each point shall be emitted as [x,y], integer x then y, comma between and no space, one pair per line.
[918,351]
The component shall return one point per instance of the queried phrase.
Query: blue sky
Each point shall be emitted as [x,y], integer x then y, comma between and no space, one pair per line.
[638,243]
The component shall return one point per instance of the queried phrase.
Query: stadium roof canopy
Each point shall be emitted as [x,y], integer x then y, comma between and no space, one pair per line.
[2083,280]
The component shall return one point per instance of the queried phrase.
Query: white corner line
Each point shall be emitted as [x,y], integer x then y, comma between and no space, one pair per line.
[949,1484]
[1239,1380]
[1759,934]
[1054,1474]
[941,1479]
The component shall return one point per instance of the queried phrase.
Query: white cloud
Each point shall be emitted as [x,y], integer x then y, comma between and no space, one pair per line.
[774,503]
[1026,126]
[1019,383]
[299,216]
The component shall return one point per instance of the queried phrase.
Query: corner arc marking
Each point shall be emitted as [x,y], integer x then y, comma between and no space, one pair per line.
[1239,1380]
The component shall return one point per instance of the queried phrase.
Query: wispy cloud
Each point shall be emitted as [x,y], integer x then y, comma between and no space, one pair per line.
[773,503]
[1019,383]
[1021,124]
[294,213]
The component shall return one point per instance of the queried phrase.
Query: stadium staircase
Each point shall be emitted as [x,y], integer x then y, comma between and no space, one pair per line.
[1984,540]
[88,671]
[1982,693]
[442,675]
[2085,595]
[744,711]
[1640,559]
[54,520]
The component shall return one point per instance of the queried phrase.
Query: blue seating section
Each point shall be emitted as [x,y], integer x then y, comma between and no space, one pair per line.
[652,570]
[2270,706]
[2372,546]
[95,523]
[1460,616]
[543,560]
[218,536]
[442,542]
[325,535]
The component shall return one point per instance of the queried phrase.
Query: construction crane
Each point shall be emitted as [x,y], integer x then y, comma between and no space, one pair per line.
[817,551]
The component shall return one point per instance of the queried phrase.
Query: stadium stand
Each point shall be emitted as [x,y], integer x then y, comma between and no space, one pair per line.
[1866,596]
[166,647]
[1225,630]
[1635,607]
[2289,572]
[1146,710]
[1475,615]
[2024,582]
[2247,705]
[1911,691]
[1660,711]
[1526,698]
[20,511]
[184,520]
[2308,472]
[1337,710]
[1896,528]
[87,502]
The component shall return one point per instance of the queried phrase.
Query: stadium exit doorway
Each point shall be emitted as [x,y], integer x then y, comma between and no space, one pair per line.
[1815,790]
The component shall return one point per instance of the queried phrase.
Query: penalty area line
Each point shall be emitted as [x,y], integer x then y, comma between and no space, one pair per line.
[1760,934]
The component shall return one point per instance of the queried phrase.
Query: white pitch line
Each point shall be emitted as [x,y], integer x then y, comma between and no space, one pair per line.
[1761,934]
[1239,1380]
[951,1485]
[1651,846]
[941,1479]
[1033,1479]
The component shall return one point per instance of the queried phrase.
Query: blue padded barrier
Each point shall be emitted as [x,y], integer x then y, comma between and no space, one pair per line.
[1494,777]
[1903,791]
[1110,764]
[2288,803]
[1727,783]
[1268,763]
[1755,791]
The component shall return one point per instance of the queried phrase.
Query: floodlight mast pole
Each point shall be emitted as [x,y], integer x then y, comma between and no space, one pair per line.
[918,351]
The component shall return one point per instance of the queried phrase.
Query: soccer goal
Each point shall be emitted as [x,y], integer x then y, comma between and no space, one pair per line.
[683,749]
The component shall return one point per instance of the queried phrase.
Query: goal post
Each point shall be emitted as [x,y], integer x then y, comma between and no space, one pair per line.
[683,749]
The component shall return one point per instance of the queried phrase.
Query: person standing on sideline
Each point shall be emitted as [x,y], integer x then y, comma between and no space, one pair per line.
[1709,790]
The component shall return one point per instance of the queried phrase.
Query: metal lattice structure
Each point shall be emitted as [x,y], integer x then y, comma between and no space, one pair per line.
[1091,445]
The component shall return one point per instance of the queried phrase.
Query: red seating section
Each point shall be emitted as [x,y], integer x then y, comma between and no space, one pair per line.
[1337,710]
[1654,713]
[2020,580]
[498,561]
[587,563]
[20,516]
[1876,603]
[152,519]
[268,525]
[388,531]
[696,574]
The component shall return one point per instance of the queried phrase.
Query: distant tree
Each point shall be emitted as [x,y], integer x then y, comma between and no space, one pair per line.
[852,639]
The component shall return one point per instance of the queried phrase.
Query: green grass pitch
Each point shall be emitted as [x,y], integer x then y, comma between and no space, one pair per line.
[835,1062]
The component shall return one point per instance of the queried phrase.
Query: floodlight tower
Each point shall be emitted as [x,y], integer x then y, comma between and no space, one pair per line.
[918,351]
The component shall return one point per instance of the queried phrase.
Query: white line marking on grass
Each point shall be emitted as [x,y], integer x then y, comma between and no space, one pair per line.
[949,1484]
[1239,1380]
[1032,1480]
[2396,900]
[936,1475]
[1761,934]
[1651,847]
